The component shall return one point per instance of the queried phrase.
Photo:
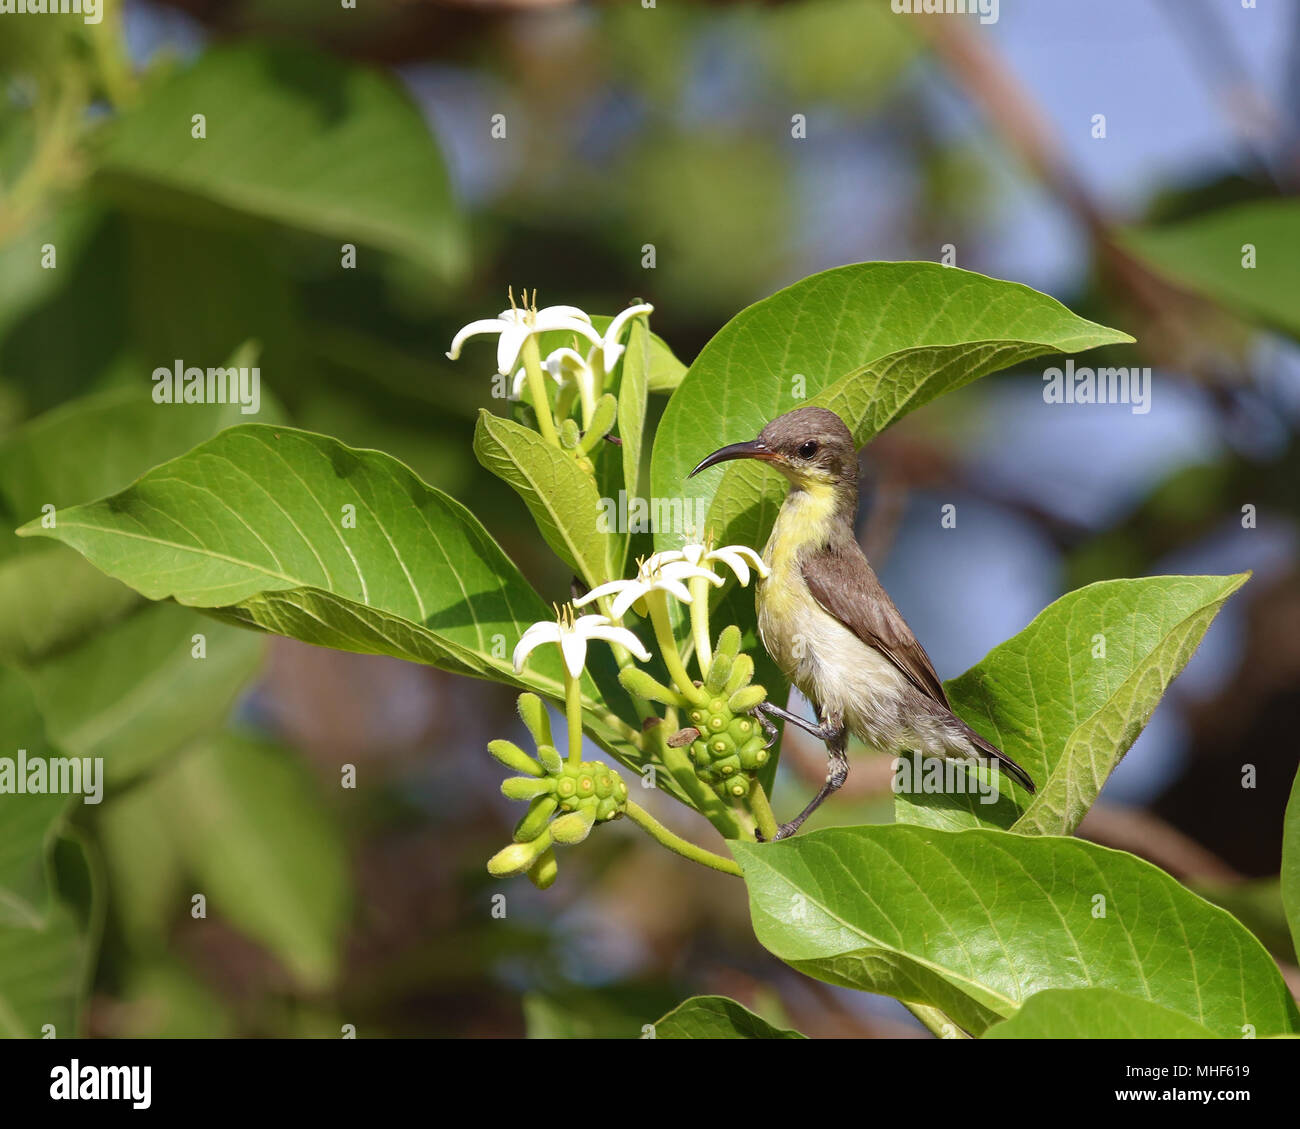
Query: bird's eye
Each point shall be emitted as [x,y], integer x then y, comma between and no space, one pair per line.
[808,449]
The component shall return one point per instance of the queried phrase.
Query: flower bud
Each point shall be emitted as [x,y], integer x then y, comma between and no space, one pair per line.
[602,419]
[573,827]
[742,701]
[512,756]
[569,437]
[638,682]
[545,870]
[525,787]
[533,712]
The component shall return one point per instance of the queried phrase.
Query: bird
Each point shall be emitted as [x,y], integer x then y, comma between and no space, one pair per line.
[828,623]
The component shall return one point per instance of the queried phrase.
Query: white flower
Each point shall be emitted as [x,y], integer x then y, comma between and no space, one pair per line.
[568,364]
[610,346]
[573,636]
[652,576]
[733,556]
[521,378]
[514,326]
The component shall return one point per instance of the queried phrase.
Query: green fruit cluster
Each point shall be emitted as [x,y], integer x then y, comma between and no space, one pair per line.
[730,747]
[564,800]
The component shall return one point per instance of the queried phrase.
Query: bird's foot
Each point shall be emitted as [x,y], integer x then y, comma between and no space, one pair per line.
[768,728]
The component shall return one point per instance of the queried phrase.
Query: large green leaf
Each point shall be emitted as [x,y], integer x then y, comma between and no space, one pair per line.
[258,524]
[42,975]
[872,342]
[50,598]
[976,922]
[1291,863]
[1068,695]
[1095,1013]
[560,495]
[292,136]
[264,851]
[717,1017]
[633,387]
[1205,254]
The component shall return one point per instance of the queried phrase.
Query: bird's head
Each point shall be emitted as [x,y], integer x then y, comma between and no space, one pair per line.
[812,447]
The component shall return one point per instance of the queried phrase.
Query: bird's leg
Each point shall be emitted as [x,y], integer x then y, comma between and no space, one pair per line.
[822,731]
[837,771]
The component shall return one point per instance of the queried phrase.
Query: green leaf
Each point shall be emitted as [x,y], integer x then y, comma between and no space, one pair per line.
[50,598]
[1095,1013]
[976,922]
[137,692]
[1067,697]
[560,495]
[717,1017]
[42,974]
[257,523]
[1205,254]
[1290,880]
[293,136]
[633,388]
[264,851]
[872,342]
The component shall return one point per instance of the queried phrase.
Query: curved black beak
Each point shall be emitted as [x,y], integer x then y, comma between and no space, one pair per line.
[752,449]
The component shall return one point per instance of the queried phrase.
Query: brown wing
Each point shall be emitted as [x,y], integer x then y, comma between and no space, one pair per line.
[843,583]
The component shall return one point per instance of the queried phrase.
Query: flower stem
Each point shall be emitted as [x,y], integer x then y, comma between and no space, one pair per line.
[657,603]
[758,804]
[675,843]
[699,587]
[537,388]
[573,715]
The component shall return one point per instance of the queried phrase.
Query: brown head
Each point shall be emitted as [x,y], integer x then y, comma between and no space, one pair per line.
[810,446]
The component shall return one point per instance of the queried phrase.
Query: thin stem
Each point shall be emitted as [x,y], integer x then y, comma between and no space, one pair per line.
[573,715]
[758,804]
[936,1022]
[699,587]
[537,388]
[657,603]
[702,796]
[675,843]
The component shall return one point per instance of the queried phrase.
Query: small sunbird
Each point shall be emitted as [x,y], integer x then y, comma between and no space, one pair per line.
[828,623]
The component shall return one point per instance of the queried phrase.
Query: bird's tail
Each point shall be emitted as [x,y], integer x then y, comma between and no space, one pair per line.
[1018,774]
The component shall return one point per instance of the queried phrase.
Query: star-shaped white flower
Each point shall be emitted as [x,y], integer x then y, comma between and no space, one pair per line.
[610,345]
[652,576]
[573,635]
[733,556]
[514,326]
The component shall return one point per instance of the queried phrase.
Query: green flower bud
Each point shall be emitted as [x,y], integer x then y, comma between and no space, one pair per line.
[533,712]
[728,642]
[525,787]
[517,857]
[738,788]
[742,701]
[534,822]
[545,870]
[638,682]
[742,673]
[512,756]
[550,758]
[602,419]
[719,672]
[572,828]
[569,436]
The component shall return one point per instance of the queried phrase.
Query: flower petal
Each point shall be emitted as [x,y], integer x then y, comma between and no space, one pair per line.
[631,594]
[534,637]
[508,345]
[484,325]
[574,648]
[564,311]
[609,588]
[623,637]
[610,344]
